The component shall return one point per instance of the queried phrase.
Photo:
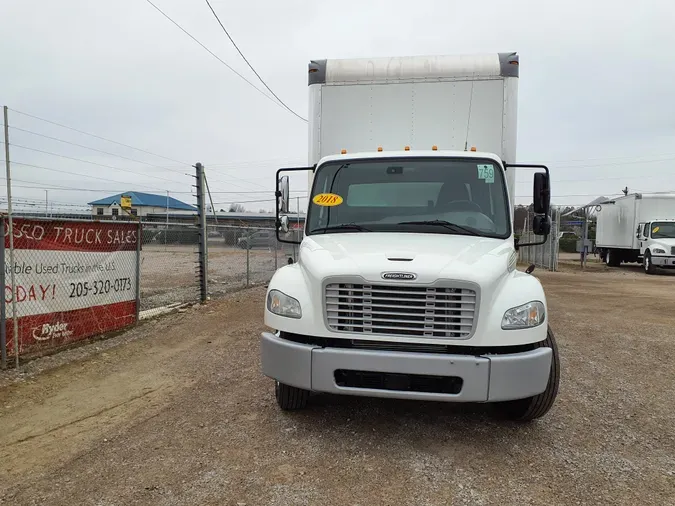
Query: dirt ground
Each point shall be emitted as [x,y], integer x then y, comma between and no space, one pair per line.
[176,412]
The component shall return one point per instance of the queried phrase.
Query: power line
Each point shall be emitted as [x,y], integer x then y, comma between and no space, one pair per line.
[277,162]
[53,187]
[59,187]
[78,174]
[613,178]
[242,202]
[93,149]
[252,201]
[99,137]
[230,183]
[251,66]
[90,162]
[652,160]
[636,158]
[120,156]
[218,58]
[41,202]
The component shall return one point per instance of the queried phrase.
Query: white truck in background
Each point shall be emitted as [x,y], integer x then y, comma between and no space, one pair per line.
[406,283]
[637,228]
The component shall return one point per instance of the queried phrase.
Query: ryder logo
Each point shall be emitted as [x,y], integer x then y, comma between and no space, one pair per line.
[48,331]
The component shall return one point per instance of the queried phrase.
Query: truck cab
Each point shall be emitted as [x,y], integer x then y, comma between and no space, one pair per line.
[657,244]
[405,285]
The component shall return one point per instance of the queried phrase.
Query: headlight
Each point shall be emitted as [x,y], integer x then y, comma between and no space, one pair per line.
[526,316]
[283,305]
[659,251]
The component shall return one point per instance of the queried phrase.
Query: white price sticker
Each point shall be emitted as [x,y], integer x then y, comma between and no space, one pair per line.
[486,173]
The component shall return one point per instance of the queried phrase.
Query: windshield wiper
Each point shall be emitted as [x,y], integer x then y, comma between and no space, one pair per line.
[445,224]
[342,226]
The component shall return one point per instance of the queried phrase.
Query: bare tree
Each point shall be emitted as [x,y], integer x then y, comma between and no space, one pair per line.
[237,208]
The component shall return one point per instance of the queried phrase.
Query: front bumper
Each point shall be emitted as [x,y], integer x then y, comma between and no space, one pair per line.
[663,261]
[486,378]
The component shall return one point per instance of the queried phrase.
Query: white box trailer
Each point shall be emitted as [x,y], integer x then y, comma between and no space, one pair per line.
[637,228]
[453,102]
[406,283]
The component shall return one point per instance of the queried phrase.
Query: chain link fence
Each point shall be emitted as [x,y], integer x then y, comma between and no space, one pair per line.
[544,256]
[240,257]
[169,265]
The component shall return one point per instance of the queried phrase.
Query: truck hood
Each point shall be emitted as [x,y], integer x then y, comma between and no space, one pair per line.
[429,256]
[666,243]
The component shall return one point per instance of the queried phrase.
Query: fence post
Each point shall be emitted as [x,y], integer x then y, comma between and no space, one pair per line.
[248,264]
[203,252]
[3,315]
[15,320]
[139,240]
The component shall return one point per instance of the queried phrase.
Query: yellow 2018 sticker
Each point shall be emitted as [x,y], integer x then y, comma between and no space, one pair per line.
[327,199]
[655,229]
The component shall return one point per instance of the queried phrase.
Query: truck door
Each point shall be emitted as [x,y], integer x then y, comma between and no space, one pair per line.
[643,236]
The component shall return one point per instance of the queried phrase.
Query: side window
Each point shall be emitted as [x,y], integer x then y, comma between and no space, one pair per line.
[645,231]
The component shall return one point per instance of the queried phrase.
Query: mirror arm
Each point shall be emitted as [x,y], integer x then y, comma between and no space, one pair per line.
[548,191]
[538,243]
[534,166]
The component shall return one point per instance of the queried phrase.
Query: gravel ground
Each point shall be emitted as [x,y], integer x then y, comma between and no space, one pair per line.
[176,411]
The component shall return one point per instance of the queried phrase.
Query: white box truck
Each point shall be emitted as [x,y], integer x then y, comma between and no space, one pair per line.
[637,228]
[405,284]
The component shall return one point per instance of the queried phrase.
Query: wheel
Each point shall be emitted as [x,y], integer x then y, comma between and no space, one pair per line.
[525,410]
[290,398]
[612,259]
[647,263]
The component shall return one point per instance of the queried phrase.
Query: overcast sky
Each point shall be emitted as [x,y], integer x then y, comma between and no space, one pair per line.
[596,98]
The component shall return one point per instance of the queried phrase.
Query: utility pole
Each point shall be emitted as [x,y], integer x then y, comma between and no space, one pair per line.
[46,203]
[166,232]
[11,242]
[203,252]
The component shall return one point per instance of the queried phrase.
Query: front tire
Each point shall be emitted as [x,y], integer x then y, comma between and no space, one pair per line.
[290,398]
[530,408]
[647,263]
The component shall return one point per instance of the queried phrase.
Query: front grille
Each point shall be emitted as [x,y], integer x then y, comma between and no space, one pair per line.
[672,250]
[408,311]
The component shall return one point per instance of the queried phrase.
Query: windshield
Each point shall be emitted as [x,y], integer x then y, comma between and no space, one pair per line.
[663,230]
[451,196]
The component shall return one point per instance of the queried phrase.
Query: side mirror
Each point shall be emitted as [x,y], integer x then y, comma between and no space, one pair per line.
[541,225]
[541,194]
[282,225]
[283,195]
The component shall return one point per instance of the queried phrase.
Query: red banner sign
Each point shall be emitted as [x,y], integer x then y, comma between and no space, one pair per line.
[73,280]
